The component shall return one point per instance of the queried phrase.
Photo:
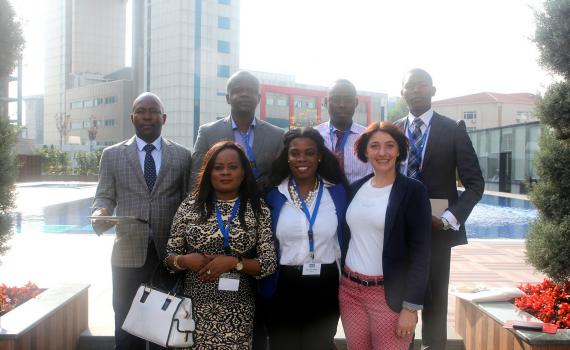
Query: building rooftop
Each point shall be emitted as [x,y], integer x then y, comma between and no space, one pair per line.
[489,97]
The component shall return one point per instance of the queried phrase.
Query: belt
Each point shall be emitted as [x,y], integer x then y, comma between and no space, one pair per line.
[366,283]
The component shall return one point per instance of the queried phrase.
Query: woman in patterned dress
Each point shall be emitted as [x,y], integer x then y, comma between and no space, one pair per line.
[221,237]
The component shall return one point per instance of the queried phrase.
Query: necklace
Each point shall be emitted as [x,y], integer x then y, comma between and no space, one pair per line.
[310,196]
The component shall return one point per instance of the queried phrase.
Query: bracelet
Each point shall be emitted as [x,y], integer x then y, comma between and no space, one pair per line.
[175,263]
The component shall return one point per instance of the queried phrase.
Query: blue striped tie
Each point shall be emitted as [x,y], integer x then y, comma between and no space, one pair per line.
[149,166]
[415,158]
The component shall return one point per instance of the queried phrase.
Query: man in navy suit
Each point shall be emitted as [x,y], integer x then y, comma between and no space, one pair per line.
[439,149]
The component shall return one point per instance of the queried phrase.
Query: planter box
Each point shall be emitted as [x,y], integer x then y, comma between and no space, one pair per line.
[51,321]
[481,326]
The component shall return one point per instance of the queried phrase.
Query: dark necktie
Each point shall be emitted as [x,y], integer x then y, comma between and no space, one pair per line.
[337,150]
[149,166]
[415,158]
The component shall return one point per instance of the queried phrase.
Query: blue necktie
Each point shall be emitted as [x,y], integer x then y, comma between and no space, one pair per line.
[149,166]
[415,158]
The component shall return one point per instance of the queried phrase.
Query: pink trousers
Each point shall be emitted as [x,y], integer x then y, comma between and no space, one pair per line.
[367,320]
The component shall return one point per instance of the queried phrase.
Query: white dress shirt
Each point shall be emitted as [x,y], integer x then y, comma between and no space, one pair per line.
[354,169]
[366,217]
[156,153]
[292,229]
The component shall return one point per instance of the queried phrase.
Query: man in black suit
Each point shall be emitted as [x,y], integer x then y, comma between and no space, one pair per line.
[439,149]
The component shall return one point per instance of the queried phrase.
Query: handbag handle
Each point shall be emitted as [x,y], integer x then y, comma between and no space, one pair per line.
[161,285]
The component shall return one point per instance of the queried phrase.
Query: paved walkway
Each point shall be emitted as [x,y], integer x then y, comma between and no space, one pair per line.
[51,259]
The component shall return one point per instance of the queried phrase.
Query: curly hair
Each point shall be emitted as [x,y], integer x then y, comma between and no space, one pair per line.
[328,168]
[204,191]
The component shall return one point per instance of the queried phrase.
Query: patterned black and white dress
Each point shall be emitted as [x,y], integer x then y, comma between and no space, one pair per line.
[224,319]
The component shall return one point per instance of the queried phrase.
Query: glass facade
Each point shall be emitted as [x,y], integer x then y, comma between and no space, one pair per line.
[506,156]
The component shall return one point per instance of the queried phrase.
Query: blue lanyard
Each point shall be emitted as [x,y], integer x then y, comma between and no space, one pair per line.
[226,229]
[418,149]
[310,217]
[249,150]
[344,137]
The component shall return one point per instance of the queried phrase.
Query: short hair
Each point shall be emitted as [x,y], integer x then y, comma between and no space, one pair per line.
[385,126]
[204,192]
[417,71]
[242,74]
[329,167]
[344,82]
[151,95]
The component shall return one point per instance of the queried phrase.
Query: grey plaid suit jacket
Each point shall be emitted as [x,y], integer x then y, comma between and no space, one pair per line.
[123,190]
[267,143]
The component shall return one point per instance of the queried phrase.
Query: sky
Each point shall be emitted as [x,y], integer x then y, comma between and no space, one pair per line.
[467,46]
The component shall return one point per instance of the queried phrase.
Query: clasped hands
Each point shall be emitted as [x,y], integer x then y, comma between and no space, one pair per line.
[208,267]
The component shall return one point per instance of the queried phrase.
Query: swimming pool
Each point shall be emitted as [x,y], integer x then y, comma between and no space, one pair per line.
[500,217]
[64,208]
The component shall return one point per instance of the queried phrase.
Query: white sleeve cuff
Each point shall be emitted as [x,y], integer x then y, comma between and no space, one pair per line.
[455,225]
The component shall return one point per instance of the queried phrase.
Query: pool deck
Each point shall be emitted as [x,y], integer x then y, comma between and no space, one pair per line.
[53,259]
[50,259]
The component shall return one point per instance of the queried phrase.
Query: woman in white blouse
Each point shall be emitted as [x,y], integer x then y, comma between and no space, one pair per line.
[308,203]
[386,268]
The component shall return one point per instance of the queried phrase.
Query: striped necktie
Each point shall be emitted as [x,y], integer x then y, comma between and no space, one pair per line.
[415,158]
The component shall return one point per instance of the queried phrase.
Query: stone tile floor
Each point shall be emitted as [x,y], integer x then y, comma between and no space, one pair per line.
[51,259]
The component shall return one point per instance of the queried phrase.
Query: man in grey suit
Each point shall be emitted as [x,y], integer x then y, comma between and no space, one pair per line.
[439,149]
[145,177]
[261,141]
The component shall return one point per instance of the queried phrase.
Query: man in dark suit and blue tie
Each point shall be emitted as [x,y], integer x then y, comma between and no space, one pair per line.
[439,149]
[146,177]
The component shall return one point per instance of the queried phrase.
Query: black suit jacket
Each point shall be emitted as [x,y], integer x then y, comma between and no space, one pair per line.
[449,151]
[407,241]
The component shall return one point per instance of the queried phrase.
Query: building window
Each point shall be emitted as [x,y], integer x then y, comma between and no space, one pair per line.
[310,104]
[223,46]
[88,103]
[223,71]
[76,125]
[110,100]
[77,105]
[225,2]
[283,102]
[86,124]
[269,101]
[470,116]
[298,104]
[98,101]
[523,116]
[224,22]
[109,122]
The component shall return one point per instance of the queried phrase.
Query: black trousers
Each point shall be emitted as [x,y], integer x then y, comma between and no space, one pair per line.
[303,314]
[126,281]
[434,314]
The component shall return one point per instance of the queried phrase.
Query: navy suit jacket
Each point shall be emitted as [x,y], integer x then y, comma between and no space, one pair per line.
[407,241]
[449,154]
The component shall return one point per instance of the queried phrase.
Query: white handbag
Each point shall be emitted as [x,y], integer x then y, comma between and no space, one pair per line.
[162,318]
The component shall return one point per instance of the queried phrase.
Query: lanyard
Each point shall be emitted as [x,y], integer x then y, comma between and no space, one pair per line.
[344,137]
[248,149]
[418,149]
[226,229]
[310,217]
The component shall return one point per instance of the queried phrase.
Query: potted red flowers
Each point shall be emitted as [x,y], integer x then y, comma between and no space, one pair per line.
[548,301]
[10,297]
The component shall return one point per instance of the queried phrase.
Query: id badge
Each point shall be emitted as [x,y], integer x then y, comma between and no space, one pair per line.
[311,269]
[229,282]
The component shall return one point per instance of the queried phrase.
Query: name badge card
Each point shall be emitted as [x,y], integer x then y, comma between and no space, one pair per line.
[311,269]
[229,282]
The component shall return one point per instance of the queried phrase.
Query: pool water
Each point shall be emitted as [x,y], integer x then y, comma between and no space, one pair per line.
[64,208]
[500,217]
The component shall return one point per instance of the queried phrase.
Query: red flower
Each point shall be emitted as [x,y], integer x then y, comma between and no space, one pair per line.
[547,301]
[10,297]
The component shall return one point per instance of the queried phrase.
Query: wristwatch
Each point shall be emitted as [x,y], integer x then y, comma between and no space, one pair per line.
[445,223]
[239,265]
